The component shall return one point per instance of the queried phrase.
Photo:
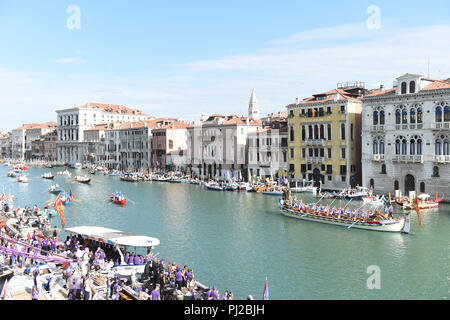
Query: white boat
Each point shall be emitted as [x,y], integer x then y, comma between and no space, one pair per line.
[23,178]
[121,240]
[386,225]
[82,179]
[213,186]
[356,194]
[374,200]
[307,186]
[64,173]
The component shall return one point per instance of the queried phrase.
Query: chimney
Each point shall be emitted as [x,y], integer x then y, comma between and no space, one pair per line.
[381,87]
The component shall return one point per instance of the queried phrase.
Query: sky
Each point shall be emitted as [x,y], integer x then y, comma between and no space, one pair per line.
[185,58]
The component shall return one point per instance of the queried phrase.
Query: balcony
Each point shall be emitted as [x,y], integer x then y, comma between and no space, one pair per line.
[401,127]
[379,127]
[441,159]
[440,126]
[315,142]
[416,126]
[315,159]
[407,158]
[379,157]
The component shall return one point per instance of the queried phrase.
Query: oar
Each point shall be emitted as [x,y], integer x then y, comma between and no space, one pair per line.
[320,199]
[347,203]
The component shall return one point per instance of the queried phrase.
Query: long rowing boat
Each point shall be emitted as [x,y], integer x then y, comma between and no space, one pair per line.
[387,225]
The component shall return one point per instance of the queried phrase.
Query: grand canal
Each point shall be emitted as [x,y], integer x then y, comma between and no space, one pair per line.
[234,240]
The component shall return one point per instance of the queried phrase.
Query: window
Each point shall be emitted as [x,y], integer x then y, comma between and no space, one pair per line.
[342,153]
[435,171]
[291,167]
[329,131]
[309,167]
[351,131]
[438,117]
[412,87]
[383,169]
[403,87]
[419,147]
[329,153]
[322,132]
[382,117]
[396,185]
[404,116]
[303,133]
[372,183]
[303,153]
[375,118]
[292,153]
[329,169]
[343,170]
[398,113]
[438,147]
[343,131]
[419,115]
[422,187]
[303,168]
[292,133]
[412,116]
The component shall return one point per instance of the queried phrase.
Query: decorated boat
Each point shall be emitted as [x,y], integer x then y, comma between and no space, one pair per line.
[55,189]
[326,195]
[66,198]
[376,222]
[48,176]
[118,198]
[423,202]
[22,178]
[232,186]
[11,174]
[82,179]
[273,191]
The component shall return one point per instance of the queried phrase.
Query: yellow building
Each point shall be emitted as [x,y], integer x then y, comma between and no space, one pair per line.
[325,138]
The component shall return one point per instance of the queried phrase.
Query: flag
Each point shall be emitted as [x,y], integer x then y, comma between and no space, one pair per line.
[418,211]
[266,291]
[4,294]
[59,207]
[72,195]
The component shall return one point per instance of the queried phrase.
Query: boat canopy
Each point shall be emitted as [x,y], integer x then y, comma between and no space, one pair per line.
[112,236]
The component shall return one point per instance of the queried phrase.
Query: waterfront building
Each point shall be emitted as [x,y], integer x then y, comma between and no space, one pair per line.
[5,145]
[406,137]
[74,121]
[23,137]
[325,137]
[169,144]
[268,149]
[50,150]
[128,146]
[217,146]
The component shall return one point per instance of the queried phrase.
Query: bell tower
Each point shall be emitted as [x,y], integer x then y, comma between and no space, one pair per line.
[253,110]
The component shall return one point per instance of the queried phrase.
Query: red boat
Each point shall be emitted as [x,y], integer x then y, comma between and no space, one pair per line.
[118,198]
[424,202]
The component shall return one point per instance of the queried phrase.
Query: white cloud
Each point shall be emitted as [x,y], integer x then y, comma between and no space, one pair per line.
[71,60]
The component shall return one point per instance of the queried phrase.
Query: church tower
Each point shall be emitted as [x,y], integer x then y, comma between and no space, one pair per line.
[253,110]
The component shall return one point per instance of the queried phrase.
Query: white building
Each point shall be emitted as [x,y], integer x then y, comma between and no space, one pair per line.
[217,147]
[128,146]
[406,136]
[74,121]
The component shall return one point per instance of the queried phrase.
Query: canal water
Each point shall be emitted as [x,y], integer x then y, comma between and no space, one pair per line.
[234,240]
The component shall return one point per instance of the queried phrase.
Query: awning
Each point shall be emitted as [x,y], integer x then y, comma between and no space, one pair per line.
[114,237]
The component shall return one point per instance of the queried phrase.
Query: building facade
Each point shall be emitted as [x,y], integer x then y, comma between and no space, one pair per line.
[406,137]
[268,151]
[5,145]
[325,138]
[73,122]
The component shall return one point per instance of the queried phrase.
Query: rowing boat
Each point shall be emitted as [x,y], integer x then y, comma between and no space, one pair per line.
[386,225]
[82,179]
[118,198]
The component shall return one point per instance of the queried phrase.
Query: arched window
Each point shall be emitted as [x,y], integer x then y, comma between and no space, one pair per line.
[438,147]
[342,131]
[397,146]
[316,132]
[404,147]
[419,115]
[438,114]
[412,115]
[381,147]
[447,114]
[303,133]
[436,171]
[372,183]
[398,114]
[403,87]
[322,132]
[329,131]
[422,187]
[404,116]
[375,118]
[310,132]
[375,147]
[382,117]
[419,147]
[383,169]
[292,133]
[412,87]
[445,147]
[412,147]
[396,185]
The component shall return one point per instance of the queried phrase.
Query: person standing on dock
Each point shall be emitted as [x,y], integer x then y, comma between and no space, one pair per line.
[156,295]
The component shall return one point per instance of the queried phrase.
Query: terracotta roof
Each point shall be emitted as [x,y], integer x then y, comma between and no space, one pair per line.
[175,125]
[329,96]
[378,92]
[46,125]
[437,84]
[112,108]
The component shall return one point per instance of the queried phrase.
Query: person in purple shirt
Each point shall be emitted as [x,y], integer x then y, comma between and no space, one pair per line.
[34,293]
[178,279]
[156,295]
[208,294]
[136,259]
[215,294]
[127,258]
